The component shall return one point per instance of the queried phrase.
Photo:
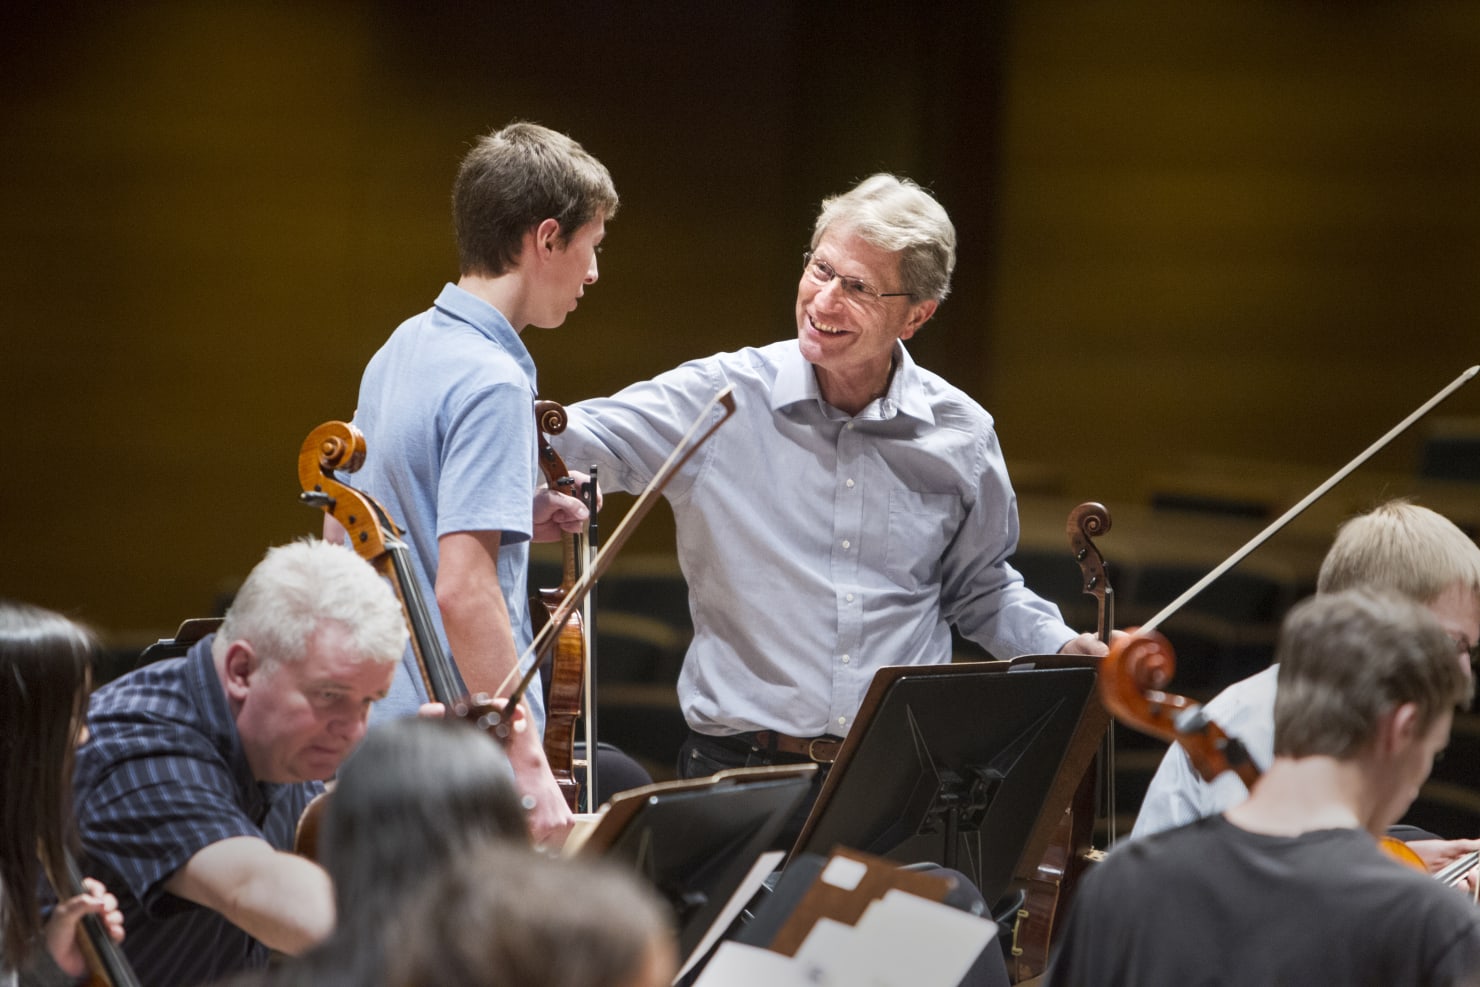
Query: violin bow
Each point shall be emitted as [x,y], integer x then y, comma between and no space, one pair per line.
[1147,656]
[588,623]
[1309,499]
[689,444]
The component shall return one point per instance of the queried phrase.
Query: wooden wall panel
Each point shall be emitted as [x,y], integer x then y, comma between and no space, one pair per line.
[1237,230]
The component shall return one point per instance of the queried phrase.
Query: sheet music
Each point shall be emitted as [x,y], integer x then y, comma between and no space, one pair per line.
[901,940]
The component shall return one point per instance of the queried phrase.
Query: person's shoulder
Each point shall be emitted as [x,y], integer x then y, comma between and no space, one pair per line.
[763,358]
[952,406]
[1258,690]
[157,710]
[159,688]
[748,366]
[454,346]
[1169,847]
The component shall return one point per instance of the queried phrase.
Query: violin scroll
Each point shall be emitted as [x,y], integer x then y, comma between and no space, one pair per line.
[1086,522]
[550,416]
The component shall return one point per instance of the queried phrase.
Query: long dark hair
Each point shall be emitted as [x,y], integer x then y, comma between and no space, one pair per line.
[413,794]
[45,662]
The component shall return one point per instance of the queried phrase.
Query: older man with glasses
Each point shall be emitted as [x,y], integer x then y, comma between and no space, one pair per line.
[858,508]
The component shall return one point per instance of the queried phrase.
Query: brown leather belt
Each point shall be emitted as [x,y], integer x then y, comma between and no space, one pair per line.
[823,750]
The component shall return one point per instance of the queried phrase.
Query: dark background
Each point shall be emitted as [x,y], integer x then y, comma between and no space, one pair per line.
[1208,251]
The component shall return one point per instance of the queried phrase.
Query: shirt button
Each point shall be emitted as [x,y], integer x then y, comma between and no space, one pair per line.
[847,543]
[849,597]
[850,481]
[846,659]
[842,720]
[849,426]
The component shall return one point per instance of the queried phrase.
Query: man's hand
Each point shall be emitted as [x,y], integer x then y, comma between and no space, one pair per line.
[62,932]
[1089,644]
[556,513]
[1438,854]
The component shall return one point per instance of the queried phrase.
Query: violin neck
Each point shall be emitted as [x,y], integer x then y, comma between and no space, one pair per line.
[1107,613]
[574,551]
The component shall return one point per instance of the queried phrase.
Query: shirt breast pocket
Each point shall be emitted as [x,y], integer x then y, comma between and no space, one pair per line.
[920,527]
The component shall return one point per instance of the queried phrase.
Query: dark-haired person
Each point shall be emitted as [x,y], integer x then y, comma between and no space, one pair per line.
[196,770]
[1289,886]
[447,409]
[506,918]
[416,797]
[45,672]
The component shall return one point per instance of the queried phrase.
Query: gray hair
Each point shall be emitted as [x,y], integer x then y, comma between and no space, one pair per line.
[897,215]
[299,586]
[1347,658]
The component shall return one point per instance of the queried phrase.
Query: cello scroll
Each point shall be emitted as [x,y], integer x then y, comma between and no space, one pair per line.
[1133,678]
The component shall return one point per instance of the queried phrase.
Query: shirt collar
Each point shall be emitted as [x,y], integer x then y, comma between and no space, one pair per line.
[258,795]
[796,383]
[464,306]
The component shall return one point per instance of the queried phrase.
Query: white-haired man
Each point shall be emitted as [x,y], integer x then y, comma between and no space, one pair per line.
[197,768]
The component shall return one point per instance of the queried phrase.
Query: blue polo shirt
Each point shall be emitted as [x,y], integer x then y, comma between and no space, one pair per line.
[447,409]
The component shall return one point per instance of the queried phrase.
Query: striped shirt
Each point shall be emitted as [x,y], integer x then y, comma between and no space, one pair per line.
[162,776]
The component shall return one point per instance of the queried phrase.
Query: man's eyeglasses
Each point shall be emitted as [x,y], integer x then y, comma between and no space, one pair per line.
[1466,648]
[822,272]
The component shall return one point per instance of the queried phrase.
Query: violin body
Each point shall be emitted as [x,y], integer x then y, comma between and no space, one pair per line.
[566,681]
[567,672]
[1048,891]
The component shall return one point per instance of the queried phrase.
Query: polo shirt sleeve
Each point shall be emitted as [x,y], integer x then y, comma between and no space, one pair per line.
[487,477]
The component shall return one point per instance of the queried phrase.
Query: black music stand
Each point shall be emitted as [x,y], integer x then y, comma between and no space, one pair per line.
[695,840]
[952,764]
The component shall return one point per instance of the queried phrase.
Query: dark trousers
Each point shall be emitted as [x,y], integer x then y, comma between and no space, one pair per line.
[702,755]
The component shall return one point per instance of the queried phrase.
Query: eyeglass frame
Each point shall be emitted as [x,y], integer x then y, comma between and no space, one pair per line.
[852,287]
[1473,650]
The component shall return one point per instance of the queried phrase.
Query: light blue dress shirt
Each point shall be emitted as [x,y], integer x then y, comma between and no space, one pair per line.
[1177,794]
[820,547]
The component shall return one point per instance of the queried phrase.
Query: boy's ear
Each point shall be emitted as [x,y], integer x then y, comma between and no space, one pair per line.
[547,236]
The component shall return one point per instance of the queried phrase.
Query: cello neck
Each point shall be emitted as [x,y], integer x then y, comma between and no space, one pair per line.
[442,680]
[106,960]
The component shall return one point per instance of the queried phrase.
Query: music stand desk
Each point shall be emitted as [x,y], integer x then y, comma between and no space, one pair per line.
[952,764]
